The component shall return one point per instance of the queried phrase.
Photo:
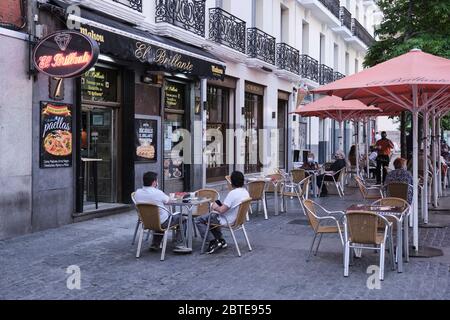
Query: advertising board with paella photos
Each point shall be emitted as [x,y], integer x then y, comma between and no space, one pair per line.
[146,140]
[55,136]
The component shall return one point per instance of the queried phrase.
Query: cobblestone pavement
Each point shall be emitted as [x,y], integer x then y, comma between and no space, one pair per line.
[34,266]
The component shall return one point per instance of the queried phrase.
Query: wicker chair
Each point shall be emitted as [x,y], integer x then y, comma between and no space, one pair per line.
[361,232]
[298,175]
[256,189]
[243,208]
[337,182]
[397,190]
[149,215]
[203,209]
[138,223]
[317,223]
[369,193]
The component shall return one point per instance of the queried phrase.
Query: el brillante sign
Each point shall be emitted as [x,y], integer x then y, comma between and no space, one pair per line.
[65,54]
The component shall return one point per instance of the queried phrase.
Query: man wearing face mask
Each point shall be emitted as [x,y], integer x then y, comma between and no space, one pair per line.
[151,194]
[384,148]
[311,164]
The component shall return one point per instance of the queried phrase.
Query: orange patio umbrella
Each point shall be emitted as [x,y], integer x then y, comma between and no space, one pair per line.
[415,81]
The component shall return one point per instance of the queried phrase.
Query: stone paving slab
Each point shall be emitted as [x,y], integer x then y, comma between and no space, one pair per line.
[34,266]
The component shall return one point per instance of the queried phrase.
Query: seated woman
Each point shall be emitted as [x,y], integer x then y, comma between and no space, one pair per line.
[402,175]
[311,164]
[338,165]
[352,156]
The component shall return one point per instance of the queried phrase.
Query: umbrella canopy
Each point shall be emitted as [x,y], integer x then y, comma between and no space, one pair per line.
[392,81]
[415,81]
[337,109]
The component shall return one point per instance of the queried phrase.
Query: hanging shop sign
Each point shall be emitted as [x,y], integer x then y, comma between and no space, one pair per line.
[146,140]
[55,135]
[65,54]
[161,58]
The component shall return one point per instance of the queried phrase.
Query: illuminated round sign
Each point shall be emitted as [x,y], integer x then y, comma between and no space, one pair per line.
[65,54]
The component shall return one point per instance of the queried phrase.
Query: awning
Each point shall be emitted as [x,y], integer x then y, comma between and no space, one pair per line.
[129,43]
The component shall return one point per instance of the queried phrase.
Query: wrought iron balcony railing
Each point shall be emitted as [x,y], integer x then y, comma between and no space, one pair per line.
[260,45]
[333,6]
[288,58]
[326,74]
[132,4]
[346,18]
[338,76]
[226,29]
[186,14]
[309,68]
[359,31]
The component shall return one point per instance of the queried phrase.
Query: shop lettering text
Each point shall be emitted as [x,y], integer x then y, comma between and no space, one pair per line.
[63,60]
[162,57]
[58,123]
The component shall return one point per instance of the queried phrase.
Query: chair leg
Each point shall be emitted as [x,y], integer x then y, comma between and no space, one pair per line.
[163,252]
[235,242]
[141,236]
[264,203]
[138,223]
[148,236]
[246,238]
[311,248]
[194,227]
[382,255]
[258,207]
[318,244]
[202,250]
[391,251]
[346,258]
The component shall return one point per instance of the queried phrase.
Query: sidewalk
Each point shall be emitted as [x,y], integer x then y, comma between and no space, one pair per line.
[34,266]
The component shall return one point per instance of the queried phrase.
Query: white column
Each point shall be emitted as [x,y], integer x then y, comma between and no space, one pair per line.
[357,147]
[204,98]
[367,142]
[341,138]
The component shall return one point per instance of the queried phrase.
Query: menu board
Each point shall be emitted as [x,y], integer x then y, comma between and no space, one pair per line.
[174,95]
[55,135]
[99,84]
[146,140]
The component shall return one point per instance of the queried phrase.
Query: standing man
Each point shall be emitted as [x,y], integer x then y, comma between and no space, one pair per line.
[384,147]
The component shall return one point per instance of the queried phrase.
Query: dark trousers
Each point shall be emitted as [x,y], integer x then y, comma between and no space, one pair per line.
[202,223]
[321,178]
[382,164]
[157,238]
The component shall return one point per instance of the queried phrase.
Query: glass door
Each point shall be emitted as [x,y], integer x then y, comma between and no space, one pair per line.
[253,122]
[98,155]
[282,107]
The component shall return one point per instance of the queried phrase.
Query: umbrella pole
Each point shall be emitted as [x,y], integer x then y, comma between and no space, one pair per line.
[357,148]
[439,184]
[415,169]
[341,138]
[425,165]
[434,159]
[367,147]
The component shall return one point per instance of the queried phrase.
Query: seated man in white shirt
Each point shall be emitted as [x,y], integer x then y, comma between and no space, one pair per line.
[151,194]
[227,212]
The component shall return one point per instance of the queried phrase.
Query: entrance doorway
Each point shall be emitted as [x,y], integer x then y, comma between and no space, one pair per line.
[98,156]
[282,130]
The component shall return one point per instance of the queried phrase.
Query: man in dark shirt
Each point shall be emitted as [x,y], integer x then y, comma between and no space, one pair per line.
[338,165]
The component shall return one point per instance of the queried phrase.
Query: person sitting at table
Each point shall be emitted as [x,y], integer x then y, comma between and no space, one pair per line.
[311,164]
[401,175]
[336,166]
[352,156]
[229,210]
[151,194]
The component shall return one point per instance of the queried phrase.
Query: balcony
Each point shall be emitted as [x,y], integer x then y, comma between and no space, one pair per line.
[132,4]
[326,74]
[346,18]
[186,14]
[338,76]
[309,68]
[327,11]
[333,6]
[361,33]
[226,29]
[260,45]
[288,58]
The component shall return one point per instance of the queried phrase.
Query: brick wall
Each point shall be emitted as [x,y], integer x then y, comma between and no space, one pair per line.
[10,12]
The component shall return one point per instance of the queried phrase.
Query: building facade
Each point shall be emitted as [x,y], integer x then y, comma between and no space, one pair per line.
[190,89]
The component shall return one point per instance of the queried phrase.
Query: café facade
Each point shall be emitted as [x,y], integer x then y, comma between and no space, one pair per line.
[122,115]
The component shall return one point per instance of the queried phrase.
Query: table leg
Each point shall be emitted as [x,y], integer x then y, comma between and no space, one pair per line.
[276,199]
[95,174]
[399,246]
[189,227]
[315,191]
[406,238]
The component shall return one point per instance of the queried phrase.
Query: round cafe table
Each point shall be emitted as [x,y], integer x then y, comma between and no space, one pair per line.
[189,204]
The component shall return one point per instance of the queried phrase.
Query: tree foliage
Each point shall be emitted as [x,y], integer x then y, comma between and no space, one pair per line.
[409,24]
